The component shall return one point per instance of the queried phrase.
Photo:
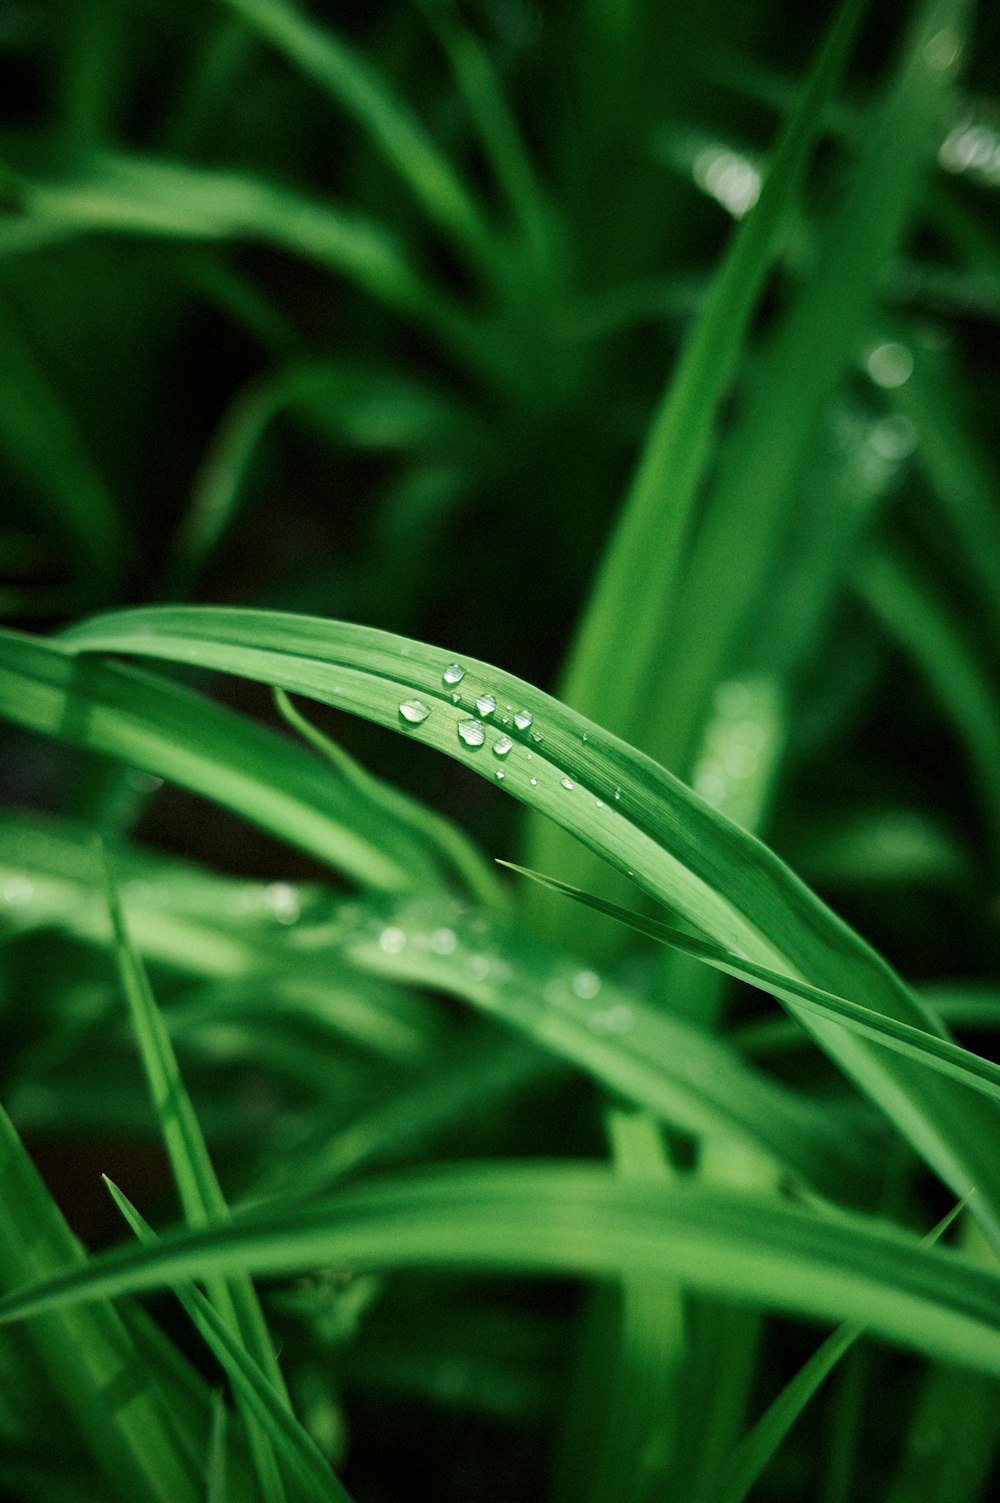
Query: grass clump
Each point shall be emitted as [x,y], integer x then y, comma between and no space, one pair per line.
[640,357]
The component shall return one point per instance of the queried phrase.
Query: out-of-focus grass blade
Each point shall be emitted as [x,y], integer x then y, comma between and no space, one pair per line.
[621,804]
[198,1188]
[618,644]
[360,89]
[143,196]
[931,1049]
[216,1490]
[682,1074]
[922,624]
[760,1444]
[87,1356]
[498,129]
[365,407]
[177,734]
[761,468]
[583,1220]
[429,829]
[267,1403]
[40,441]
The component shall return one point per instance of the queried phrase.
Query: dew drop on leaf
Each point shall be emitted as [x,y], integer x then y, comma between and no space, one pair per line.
[414,711]
[453,674]
[502,746]
[486,704]
[471,732]
[523,719]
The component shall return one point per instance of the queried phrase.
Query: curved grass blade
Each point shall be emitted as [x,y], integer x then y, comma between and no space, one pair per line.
[115,193]
[199,1190]
[177,734]
[429,829]
[544,1219]
[324,970]
[362,92]
[930,1049]
[620,804]
[267,1403]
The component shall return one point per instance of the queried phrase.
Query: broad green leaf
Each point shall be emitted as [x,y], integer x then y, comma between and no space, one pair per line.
[621,805]
[590,1222]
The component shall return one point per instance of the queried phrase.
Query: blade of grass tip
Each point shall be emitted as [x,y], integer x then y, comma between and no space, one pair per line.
[930,1049]
[607,673]
[291,1441]
[580,1220]
[359,89]
[922,624]
[760,1443]
[198,1188]
[640,818]
[216,1488]
[452,848]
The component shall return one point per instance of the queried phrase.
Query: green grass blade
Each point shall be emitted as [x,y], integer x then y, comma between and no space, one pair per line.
[198,1188]
[216,1489]
[919,1044]
[761,469]
[582,1220]
[685,1076]
[358,87]
[760,1444]
[102,1388]
[267,1403]
[143,196]
[620,804]
[176,734]
[618,643]
[455,853]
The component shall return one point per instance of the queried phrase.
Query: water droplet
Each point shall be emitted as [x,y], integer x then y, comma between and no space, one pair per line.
[486,704]
[502,746]
[283,901]
[392,940]
[599,803]
[523,719]
[500,772]
[442,941]
[414,711]
[537,736]
[479,966]
[566,783]
[471,732]
[456,698]
[533,782]
[585,736]
[18,890]
[453,674]
[618,793]
[586,984]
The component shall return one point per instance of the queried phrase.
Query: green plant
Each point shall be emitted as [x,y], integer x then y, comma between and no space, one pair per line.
[443,1146]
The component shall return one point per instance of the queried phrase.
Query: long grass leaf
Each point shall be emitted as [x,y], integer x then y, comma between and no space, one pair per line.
[623,806]
[915,1043]
[550,1219]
